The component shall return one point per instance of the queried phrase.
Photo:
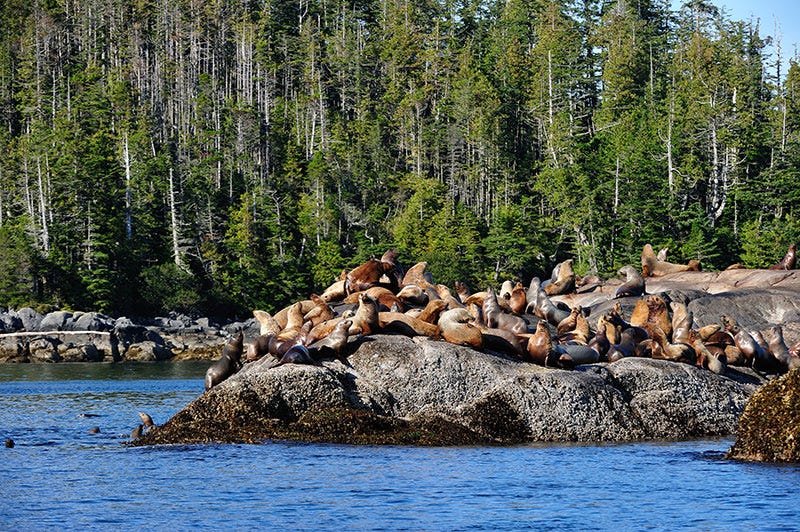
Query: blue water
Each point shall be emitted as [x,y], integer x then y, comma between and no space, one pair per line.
[59,476]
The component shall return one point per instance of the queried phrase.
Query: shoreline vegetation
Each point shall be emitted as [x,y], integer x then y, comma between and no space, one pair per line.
[215,159]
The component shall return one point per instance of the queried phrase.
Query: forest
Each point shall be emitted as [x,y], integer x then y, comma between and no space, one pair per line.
[216,156]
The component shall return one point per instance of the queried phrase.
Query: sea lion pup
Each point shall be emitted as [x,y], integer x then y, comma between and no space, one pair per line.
[336,291]
[540,348]
[532,294]
[634,284]
[565,281]
[518,300]
[413,294]
[294,321]
[321,312]
[405,324]
[228,364]
[652,267]
[462,291]
[570,322]
[662,254]
[457,328]
[788,262]
[432,311]
[612,331]
[297,354]
[334,344]
[267,323]
[495,316]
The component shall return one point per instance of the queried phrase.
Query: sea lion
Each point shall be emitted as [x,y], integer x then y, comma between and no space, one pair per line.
[571,355]
[580,333]
[495,316]
[386,298]
[405,324]
[396,272]
[779,349]
[565,281]
[298,354]
[675,352]
[600,342]
[137,432]
[282,316]
[518,300]
[335,343]
[652,267]
[570,322]
[432,311]
[268,324]
[657,313]
[258,347]
[457,328]
[367,275]
[612,331]
[503,341]
[505,289]
[413,294]
[788,262]
[634,284]
[147,421]
[417,275]
[640,313]
[294,321]
[547,310]
[532,295]
[662,254]
[228,364]
[462,291]
[321,312]
[682,320]
[336,291]
[540,348]
[626,347]
[445,294]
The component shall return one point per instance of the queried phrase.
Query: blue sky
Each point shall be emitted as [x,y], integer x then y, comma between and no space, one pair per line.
[785,12]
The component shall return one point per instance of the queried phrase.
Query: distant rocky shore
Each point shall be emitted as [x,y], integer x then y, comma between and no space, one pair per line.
[61,336]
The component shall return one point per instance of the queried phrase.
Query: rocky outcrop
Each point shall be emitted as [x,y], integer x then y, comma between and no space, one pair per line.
[769,429]
[396,389]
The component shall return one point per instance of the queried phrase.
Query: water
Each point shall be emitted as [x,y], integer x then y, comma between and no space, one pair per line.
[59,476]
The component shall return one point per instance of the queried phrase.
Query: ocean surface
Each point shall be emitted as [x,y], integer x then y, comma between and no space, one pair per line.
[61,476]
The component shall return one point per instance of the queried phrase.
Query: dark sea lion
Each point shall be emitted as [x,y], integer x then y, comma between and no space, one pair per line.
[258,347]
[547,310]
[532,294]
[600,342]
[788,262]
[228,364]
[396,270]
[297,354]
[462,291]
[137,432]
[503,341]
[634,284]
[9,443]
[495,316]
[571,355]
[779,349]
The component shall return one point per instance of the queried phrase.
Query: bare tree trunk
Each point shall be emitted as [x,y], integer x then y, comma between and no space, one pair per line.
[176,252]
[127,162]
[43,208]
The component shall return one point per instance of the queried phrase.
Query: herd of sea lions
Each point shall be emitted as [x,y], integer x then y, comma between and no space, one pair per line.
[380,296]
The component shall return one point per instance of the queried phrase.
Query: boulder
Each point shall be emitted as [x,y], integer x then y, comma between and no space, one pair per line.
[483,396]
[146,351]
[769,429]
[43,349]
[91,321]
[55,321]
[31,320]
[69,352]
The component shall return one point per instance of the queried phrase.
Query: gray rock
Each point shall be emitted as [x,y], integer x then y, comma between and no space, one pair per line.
[92,321]
[55,321]
[146,351]
[70,352]
[31,320]
[10,322]
[44,350]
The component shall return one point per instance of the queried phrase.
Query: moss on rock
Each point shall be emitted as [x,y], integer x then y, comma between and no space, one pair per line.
[769,429]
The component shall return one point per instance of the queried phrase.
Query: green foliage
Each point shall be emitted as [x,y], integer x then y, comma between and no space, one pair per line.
[166,288]
[18,264]
[765,241]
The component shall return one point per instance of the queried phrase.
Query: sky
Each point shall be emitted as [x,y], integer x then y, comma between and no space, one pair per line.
[785,12]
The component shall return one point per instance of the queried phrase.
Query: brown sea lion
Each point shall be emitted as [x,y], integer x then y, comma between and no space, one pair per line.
[600,342]
[505,289]
[282,316]
[444,293]
[657,313]
[612,331]
[408,325]
[652,267]
[457,328]
[532,294]
[462,291]
[367,275]
[518,299]
[640,313]
[546,309]
[432,311]
[321,312]
[258,347]
[779,349]
[495,316]
[396,272]
[386,298]
[634,284]
[335,343]
[570,322]
[565,280]
[417,275]
[503,341]
[147,421]
[788,262]
[267,323]
[413,294]
[336,291]
[540,348]
[294,321]
[228,364]
[682,320]
[676,352]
